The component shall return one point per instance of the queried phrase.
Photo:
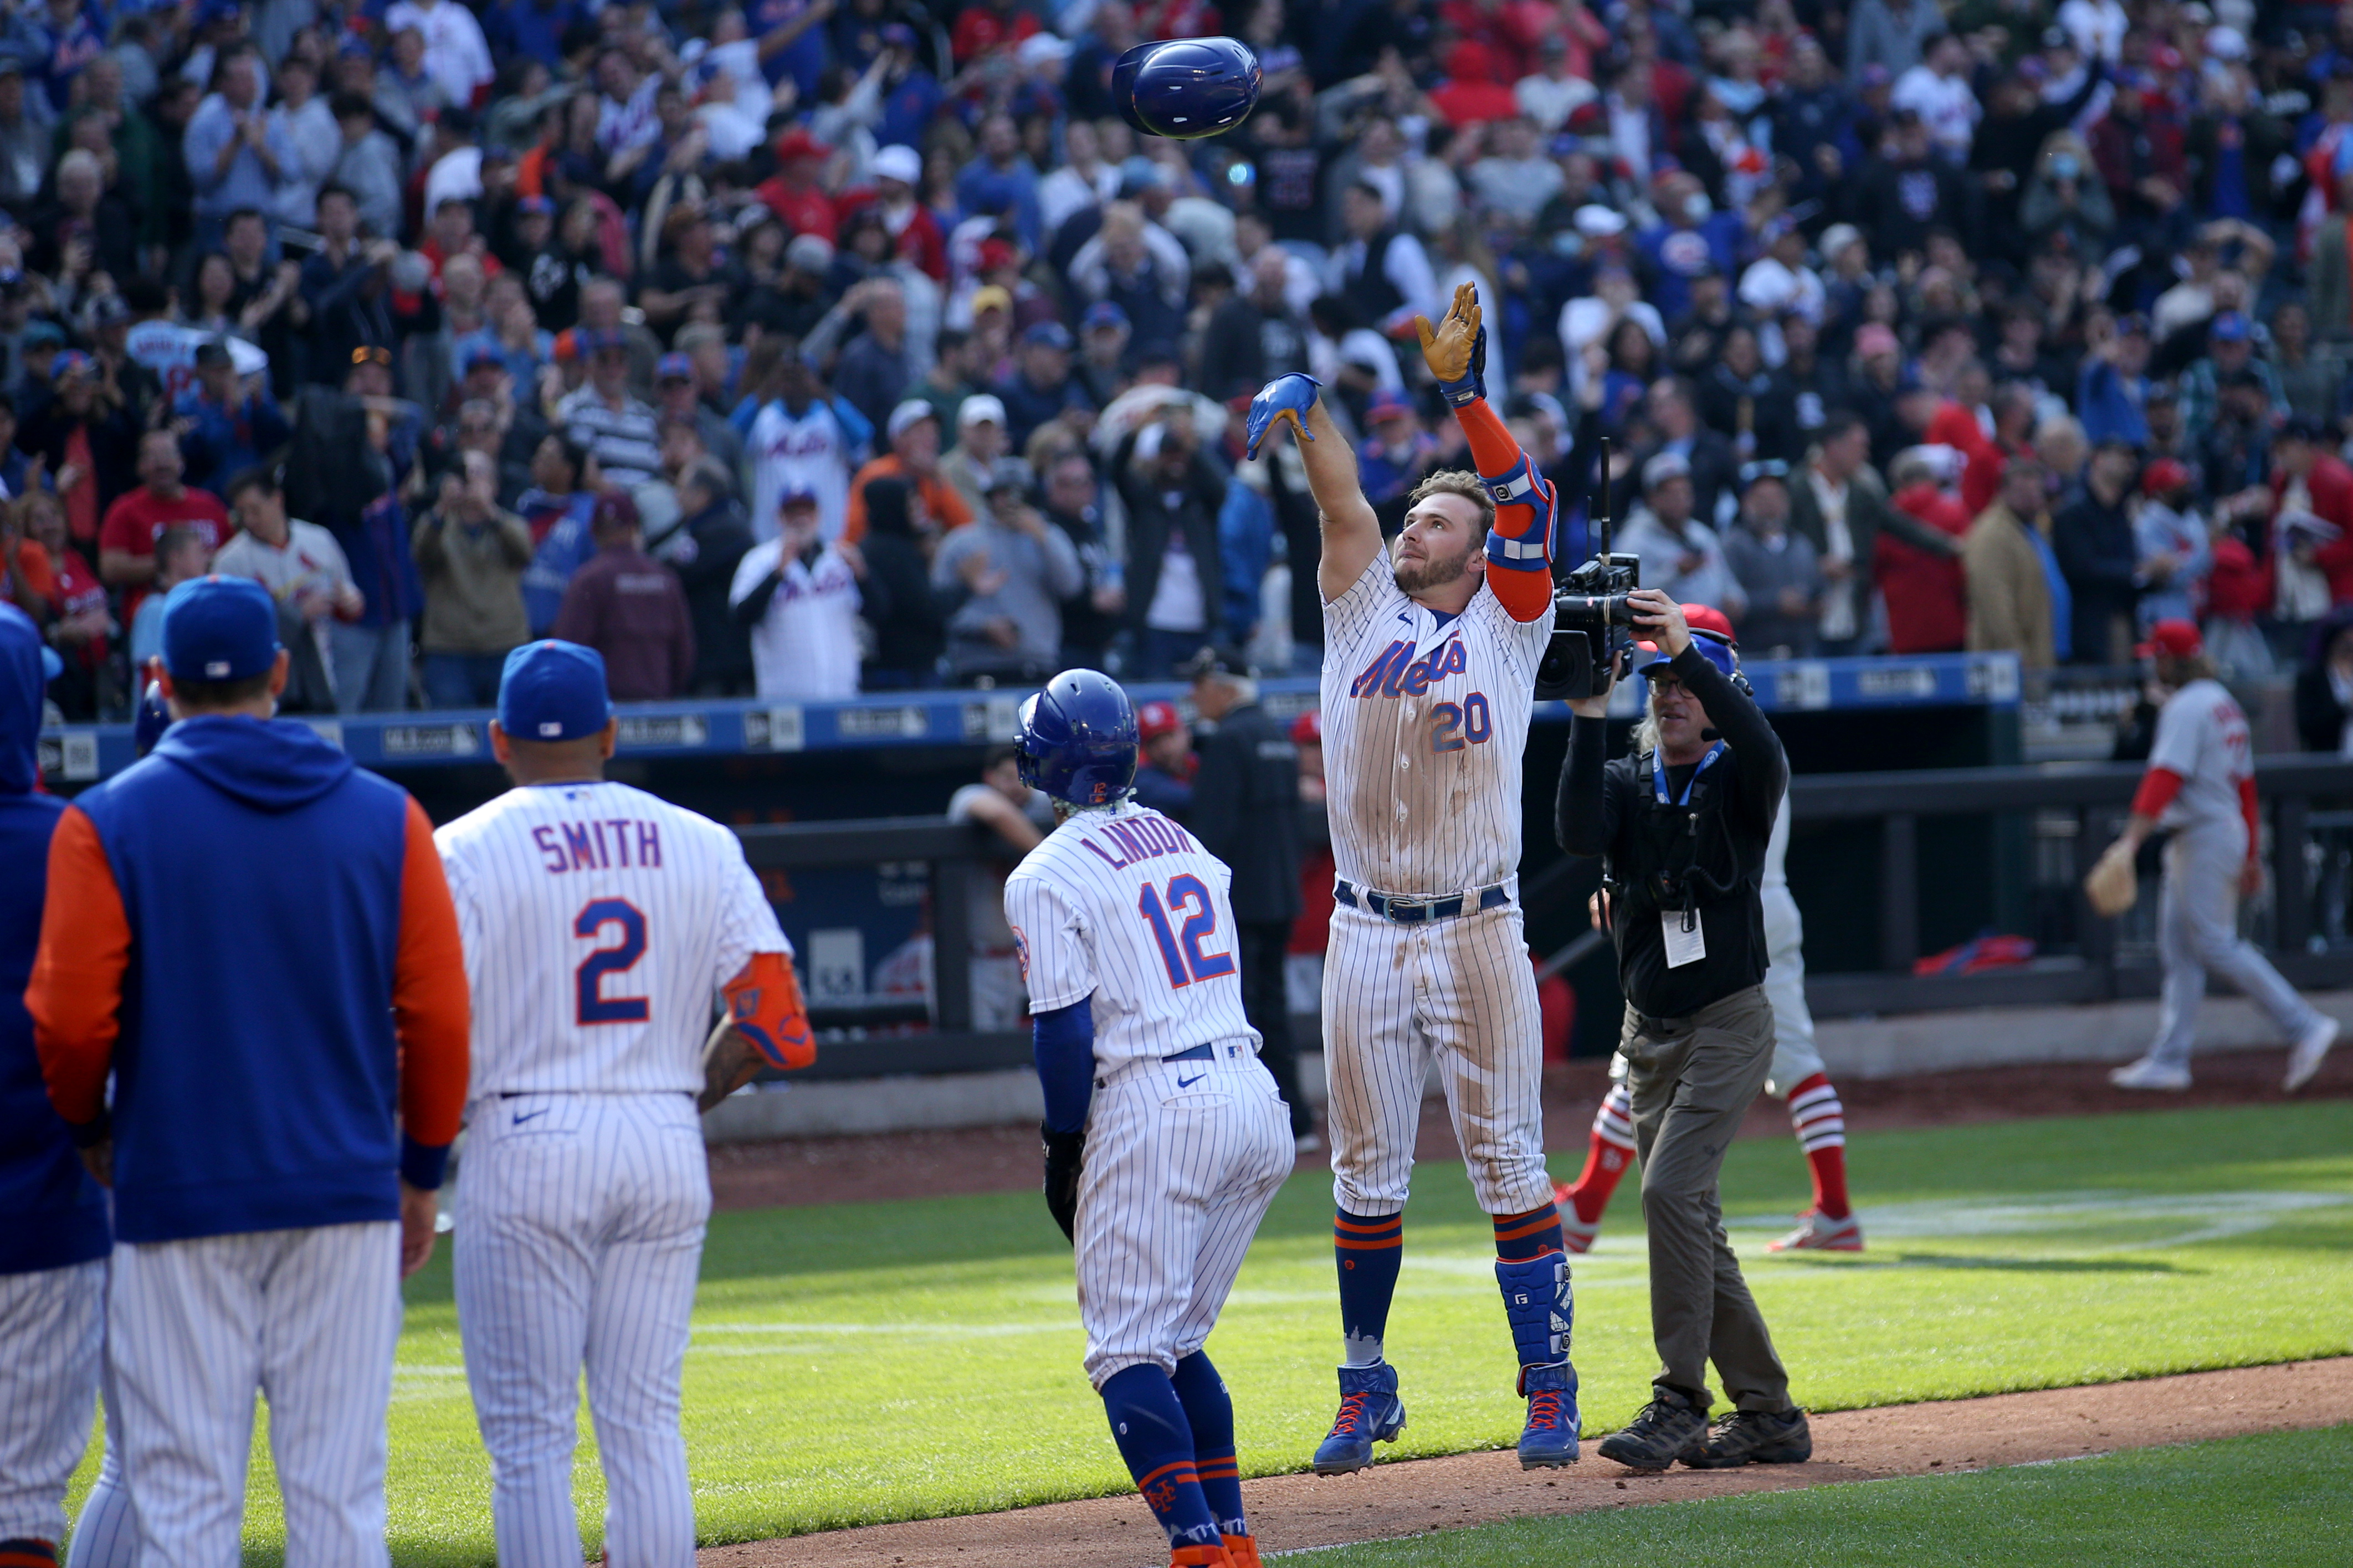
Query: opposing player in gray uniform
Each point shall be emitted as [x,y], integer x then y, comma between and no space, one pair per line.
[1166,1138]
[2200,786]
[1429,657]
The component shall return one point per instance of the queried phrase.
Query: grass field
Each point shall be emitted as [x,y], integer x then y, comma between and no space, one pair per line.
[866,1362]
[2275,1500]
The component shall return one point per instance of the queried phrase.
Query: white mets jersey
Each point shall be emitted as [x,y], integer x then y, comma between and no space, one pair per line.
[2202,736]
[600,922]
[1124,906]
[809,453]
[1424,722]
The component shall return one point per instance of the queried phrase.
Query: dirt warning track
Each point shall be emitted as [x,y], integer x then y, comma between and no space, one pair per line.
[1414,1497]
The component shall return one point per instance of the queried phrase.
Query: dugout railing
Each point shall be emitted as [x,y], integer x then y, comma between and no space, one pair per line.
[1875,820]
[2071,812]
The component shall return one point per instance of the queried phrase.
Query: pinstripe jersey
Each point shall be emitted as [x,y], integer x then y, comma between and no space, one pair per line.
[809,453]
[1424,722]
[1124,906]
[600,922]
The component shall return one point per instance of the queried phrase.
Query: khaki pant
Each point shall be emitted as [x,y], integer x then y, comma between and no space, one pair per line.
[1692,1079]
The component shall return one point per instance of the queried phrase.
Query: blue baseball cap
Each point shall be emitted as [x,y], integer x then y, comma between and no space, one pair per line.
[219,629]
[2231,327]
[1712,648]
[553,690]
[1104,313]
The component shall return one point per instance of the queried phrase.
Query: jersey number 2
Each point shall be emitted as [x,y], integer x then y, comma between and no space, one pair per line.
[1450,728]
[1180,950]
[591,1005]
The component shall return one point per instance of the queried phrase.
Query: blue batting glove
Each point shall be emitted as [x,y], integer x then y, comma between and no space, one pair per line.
[1285,397]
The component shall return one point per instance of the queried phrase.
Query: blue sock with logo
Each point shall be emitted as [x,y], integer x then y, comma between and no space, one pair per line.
[1369,1248]
[1148,1423]
[1210,1411]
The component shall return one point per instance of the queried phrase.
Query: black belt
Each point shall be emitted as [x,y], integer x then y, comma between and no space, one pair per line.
[1411,911]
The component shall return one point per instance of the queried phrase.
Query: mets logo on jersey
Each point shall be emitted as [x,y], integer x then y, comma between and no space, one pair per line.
[1021,952]
[1396,672]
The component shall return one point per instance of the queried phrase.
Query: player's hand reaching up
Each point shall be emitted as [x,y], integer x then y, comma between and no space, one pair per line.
[1453,349]
[1281,401]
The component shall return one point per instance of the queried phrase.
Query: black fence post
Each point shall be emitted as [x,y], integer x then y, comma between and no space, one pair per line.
[1899,891]
[952,943]
[2291,893]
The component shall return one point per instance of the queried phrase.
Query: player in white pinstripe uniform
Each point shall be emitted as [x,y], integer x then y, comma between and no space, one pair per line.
[599,923]
[1429,657]
[1166,1137]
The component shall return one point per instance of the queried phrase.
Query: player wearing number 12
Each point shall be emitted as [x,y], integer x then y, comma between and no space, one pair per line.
[1166,1139]
[1430,660]
[600,924]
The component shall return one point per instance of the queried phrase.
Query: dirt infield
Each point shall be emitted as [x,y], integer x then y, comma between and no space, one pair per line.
[1415,1497]
[1006,1159]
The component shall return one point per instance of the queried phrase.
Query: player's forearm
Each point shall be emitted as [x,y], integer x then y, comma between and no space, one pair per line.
[2158,788]
[75,993]
[1064,1042]
[1520,542]
[430,1011]
[1331,471]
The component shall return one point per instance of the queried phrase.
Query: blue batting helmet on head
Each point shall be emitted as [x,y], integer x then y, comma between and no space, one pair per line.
[1076,739]
[1186,89]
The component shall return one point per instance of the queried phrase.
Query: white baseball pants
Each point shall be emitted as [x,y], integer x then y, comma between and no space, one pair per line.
[311,1318]
[579,1232]
[1462,991]
[52,1333]
[2197,929]
[1795,1057]
[1182,1160]
[106,1532]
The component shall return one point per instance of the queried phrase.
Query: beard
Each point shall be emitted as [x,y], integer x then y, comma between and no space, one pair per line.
[1431,572]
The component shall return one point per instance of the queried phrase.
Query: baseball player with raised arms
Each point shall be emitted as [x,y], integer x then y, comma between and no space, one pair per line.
[1429,657]
[1816,1113]
[2200,786]
[1166,1139]
[600,926]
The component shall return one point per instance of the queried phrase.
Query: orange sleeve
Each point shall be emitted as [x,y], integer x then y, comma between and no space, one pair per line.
[1519,545]
[764,1003]
[853,526]
[946,502]
[429,1005]
[76,995]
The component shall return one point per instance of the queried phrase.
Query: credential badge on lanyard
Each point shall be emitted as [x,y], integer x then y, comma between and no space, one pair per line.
[1686,939]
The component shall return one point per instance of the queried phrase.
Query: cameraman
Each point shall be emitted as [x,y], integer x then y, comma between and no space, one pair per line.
[1682,825]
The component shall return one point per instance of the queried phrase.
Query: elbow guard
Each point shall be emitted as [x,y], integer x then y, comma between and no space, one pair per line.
[1527,510]
[764,1005]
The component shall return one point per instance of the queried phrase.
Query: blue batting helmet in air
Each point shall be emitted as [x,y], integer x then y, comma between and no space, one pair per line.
[1186,88]
[1076,739]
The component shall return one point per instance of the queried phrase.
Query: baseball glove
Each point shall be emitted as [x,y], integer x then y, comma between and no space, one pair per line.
[2112,885]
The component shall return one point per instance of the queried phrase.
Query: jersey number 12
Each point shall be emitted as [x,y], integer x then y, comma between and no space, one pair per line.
[1180,949]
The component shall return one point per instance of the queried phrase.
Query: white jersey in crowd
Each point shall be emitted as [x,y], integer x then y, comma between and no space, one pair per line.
[806,647]
[1124,906]
[2202,736]
[1424,722]
[600,922]
[792,453]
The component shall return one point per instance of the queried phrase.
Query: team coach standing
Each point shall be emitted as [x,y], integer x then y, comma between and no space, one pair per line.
[1681,825]
[254,939]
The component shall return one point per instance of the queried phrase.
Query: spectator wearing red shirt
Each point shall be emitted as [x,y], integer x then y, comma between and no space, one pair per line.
[2306,478]
[629,607]
[75,618]
[990,25]
[126,540]
[1926,593]
[793,193]
[915,231]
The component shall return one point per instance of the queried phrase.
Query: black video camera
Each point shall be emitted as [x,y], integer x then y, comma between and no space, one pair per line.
[1592,624]
[1592,628]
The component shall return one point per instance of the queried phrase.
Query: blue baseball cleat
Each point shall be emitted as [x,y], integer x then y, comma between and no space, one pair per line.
[1370,1413]
[1549,1439]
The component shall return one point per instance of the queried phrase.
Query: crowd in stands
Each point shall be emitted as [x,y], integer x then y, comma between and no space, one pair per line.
[812,347]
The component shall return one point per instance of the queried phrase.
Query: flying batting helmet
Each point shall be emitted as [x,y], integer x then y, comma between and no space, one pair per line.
[1186,88]
[1076,739]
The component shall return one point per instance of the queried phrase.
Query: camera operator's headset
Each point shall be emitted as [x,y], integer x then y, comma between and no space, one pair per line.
[1705,621]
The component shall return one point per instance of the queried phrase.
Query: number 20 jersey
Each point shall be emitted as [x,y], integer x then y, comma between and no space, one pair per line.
[1123,906]
[600,922]
[1424,722]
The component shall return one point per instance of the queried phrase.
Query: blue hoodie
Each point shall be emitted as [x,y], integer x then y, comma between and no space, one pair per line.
[54,1214]
[255,1072]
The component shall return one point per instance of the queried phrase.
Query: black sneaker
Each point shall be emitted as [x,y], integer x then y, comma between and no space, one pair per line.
[1658,1437]
[1755,1438]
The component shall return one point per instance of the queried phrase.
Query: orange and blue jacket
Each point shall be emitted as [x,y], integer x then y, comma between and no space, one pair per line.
[254,938]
